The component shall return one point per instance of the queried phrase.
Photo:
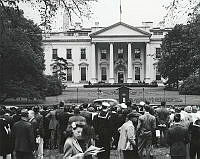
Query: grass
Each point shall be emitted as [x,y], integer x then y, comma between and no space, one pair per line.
[154,95]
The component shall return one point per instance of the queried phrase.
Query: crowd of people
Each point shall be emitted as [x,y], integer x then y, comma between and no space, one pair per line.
[134,131]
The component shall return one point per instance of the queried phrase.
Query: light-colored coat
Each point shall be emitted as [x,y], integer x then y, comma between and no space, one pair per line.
[72,149]
[127,136]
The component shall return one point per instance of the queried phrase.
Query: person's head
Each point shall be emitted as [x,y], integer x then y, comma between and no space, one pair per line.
[128,103]
[36,109]
[177,118]
[163,104]
[76,111]
[147,108]
[194,109]
[55,107]
[66,108]
[132,117]
[85,105]
[147,102]
[77,130]
[2,112]
[61,104]
[31,114]
[105,105]
[24,114]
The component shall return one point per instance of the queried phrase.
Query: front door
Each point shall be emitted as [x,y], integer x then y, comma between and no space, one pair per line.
[120,77]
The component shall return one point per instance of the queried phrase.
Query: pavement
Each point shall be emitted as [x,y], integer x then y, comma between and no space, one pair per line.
[159,153]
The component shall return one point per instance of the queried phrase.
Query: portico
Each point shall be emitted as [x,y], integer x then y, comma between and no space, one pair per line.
[119,54]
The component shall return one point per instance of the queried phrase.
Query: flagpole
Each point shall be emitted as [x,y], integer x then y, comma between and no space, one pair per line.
[120,11]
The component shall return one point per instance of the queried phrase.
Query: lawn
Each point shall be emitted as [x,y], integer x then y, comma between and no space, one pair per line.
[154,95]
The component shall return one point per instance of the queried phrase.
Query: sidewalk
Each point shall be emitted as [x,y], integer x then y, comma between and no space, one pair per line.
[159,153]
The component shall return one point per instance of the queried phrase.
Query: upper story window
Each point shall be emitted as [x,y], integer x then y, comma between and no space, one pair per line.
[120,53]
[54,53]
[158,52]
[137,53]
[83,34]
[157,33]
[103,54]
[83,53]
[69,53]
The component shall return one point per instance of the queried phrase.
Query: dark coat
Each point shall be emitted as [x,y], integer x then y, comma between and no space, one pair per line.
[23,136]
[5,138]
[177,138]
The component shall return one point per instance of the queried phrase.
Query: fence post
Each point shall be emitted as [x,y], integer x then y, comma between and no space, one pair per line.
[77,95]
[143,93]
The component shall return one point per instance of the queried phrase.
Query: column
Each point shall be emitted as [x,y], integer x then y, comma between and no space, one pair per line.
[130,68]
[93,65]
[148,63]
[111,77]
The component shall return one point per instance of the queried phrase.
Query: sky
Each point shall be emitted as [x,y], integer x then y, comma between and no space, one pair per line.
[107,12]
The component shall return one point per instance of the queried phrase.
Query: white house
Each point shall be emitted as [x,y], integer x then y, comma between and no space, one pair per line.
[119,53]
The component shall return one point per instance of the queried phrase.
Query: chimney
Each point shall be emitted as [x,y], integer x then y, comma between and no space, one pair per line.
[96,24]
[78,26]
[66,21]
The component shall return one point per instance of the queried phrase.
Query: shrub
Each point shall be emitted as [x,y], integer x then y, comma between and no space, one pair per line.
[54,86]
[191,86]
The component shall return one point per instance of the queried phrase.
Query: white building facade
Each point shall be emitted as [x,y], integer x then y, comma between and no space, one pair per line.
[119,53]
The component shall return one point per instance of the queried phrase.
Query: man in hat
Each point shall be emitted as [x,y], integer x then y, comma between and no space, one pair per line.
[163,116]
[145,128]
[177,138]
[127,139]
[103,131]
[23,137]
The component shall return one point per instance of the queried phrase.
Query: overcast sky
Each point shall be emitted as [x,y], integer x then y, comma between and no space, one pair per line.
[107,12]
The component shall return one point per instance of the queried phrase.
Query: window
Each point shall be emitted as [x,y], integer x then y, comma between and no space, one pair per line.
[158,53]
[158,76]
[103,54]
[83,73]
[157,33]
[137,73]
[69,53]
[120,53]
[69,74]
[54,53]
[103,74]
[83,34]
[83,53]
[137,53]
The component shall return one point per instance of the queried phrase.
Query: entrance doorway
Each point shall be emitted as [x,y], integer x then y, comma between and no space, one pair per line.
[120,77]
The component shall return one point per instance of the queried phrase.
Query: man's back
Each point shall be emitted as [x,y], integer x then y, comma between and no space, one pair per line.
[22,133]
[177,139]
[147,122]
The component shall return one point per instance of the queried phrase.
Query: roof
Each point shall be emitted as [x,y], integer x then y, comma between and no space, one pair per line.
[117,24]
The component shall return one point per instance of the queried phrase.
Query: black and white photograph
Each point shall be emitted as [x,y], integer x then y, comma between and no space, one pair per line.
[99,79]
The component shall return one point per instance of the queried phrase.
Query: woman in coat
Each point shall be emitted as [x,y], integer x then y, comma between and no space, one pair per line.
[72,149]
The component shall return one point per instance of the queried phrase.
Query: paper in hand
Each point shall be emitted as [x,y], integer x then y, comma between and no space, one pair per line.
[93,150]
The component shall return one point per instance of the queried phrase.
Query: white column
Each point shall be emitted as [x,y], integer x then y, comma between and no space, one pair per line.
[111,77]
[148,63]
[93,65]
[130,68]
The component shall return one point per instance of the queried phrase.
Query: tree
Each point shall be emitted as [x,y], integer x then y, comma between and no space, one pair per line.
[48,8]
[21,56]
[59,69]
[181,52]
[173,64]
